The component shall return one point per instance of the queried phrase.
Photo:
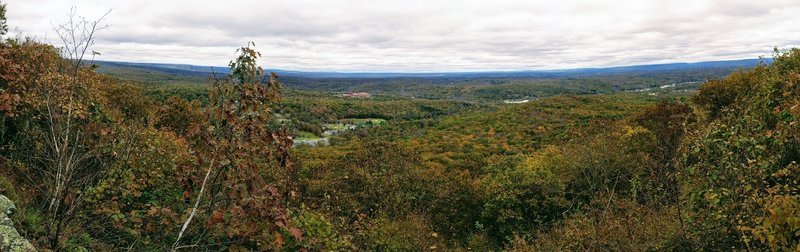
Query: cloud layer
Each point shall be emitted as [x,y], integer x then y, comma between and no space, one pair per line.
[426,35]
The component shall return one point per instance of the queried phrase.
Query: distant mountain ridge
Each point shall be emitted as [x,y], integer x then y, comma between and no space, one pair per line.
[205,71]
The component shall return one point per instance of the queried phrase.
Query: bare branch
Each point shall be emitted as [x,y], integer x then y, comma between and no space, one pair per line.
[194,209]
[78,34]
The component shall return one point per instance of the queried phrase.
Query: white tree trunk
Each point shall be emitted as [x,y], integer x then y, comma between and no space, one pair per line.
[194,209]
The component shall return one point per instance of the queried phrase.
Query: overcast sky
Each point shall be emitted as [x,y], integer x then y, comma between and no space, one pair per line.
[427,35]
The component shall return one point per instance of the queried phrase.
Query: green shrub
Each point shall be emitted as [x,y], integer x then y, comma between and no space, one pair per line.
[520,197]
[31,223]
[7,188]
[610,223]
[318,233]
[739,172]
[412,233]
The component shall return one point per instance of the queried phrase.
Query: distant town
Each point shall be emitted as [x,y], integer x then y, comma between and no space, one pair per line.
[355,95]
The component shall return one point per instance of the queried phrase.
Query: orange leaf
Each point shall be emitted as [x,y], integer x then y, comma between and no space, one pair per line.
[297,233]
[279,240]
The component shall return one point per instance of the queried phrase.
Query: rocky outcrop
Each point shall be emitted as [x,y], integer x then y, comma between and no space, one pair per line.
[10,240]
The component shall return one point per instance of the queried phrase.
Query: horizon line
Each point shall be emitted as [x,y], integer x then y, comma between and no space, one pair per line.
[762,58]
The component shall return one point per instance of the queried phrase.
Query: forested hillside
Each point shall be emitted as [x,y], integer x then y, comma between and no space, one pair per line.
[464,86]
[156,162]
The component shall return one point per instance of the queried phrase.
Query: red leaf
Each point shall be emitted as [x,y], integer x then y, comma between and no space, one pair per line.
[297,233]
[216,217]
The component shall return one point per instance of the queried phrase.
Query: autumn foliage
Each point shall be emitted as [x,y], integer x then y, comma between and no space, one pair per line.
[98,163]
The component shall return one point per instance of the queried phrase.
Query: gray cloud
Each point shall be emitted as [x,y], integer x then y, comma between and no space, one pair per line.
[424,35]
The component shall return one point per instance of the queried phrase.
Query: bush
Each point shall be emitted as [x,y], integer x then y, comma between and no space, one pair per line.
[779,226]
[318,233]
[740,182]
[520,197]
[7,189]
[611,223]
[412,233]
[716,95]
[138,200]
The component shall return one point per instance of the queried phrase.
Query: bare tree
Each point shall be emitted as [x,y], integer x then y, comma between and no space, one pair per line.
[69,162]
[78,34]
